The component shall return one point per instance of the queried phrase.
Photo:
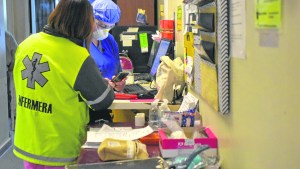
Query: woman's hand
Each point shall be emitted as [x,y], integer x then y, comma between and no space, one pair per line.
[120,85]
[117,86]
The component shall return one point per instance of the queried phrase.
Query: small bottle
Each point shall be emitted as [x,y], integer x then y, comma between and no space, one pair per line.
[162,109]
[154,116]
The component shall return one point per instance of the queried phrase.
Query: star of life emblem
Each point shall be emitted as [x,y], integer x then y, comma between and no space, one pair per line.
[34,70]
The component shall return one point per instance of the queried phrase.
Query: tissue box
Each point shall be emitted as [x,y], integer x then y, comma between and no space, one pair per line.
[173,147]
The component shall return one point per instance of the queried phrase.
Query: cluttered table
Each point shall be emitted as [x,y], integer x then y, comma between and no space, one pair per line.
[90,155]
[89,158]
[160,146]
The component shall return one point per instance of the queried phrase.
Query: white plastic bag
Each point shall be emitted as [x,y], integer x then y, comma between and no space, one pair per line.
[169,73]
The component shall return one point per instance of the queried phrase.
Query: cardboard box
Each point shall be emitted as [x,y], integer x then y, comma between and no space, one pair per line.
[184,119]
[173,147]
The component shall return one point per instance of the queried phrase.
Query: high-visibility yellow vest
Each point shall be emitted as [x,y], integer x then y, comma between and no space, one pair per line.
[51,119]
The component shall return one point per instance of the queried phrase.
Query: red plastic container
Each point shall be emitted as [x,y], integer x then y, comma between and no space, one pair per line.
[152,138]
[167,35]
[166,24]
[167,29]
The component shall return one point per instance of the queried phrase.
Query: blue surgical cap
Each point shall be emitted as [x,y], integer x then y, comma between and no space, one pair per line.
[106,11]
[91,1]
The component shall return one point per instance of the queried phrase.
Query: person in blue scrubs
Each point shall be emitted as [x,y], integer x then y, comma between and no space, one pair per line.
[104,48]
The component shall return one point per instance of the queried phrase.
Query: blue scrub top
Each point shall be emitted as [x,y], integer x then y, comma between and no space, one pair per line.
[107,60]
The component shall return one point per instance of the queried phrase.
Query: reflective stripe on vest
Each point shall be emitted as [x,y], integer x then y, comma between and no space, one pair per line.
[49,159]
[102,97]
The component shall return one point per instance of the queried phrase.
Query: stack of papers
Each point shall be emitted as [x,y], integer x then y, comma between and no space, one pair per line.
[96,136]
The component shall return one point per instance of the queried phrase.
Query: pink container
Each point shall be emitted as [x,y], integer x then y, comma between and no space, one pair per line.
[167,143]
[170,148]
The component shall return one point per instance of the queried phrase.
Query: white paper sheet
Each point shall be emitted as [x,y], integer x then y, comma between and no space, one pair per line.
[109,132]
[238,29]
[188,101]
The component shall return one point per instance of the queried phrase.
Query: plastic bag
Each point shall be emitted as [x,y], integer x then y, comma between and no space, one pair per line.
[169,73]
[114,149]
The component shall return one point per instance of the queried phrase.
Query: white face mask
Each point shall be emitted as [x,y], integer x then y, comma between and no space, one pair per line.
[100,34]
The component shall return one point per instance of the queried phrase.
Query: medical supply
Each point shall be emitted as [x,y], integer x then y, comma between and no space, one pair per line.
[114,149]
[154,116]
[139,119]
[170,147]
[188,118]
[162,109]
[192,160]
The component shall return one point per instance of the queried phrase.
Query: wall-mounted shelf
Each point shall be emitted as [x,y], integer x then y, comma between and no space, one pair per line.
[209,22]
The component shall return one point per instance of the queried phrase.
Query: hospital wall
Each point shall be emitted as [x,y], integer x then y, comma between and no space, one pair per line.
[261,131]
[18,19]
[4,134]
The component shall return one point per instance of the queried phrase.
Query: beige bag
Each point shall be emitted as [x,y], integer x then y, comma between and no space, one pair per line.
[114,149]
[169,73]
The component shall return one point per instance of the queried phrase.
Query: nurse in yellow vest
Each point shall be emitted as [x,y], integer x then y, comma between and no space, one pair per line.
[56,81]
